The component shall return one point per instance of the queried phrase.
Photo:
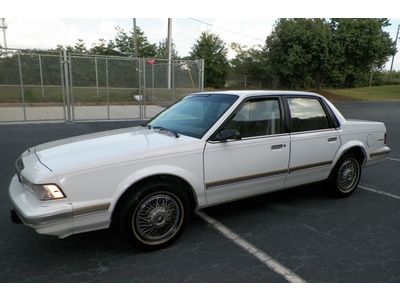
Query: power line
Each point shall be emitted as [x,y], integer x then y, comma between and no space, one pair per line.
[235,32]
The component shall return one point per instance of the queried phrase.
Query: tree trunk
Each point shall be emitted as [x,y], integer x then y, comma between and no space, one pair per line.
[370,79]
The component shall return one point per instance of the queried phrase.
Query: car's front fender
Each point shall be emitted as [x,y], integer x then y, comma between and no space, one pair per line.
[194,181]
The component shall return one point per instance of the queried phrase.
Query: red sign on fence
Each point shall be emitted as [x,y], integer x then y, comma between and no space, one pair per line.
[151,61]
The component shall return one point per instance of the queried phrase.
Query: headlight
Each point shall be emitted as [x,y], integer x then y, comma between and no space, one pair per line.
[44,191]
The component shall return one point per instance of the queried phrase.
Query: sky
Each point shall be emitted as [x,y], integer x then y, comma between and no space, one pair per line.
[47,33]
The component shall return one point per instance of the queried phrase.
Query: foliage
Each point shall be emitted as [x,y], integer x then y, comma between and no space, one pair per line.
[102,47]
[385,78]
[251,63]
[306,53]
[212,49]
[162,50]
[362,47]
[123,43]
[300,52]
[80,47]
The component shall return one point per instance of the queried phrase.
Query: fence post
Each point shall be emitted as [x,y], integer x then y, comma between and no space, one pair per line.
[202,75]
[21,82]
[144,88]
[67,86]
[199,74]
[152,76]
[108,91]
[41,74]
[139,80]
[97,77]
[173,81]
[71,86]
[62,82]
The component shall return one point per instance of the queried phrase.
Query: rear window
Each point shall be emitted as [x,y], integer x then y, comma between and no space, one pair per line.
[307,114]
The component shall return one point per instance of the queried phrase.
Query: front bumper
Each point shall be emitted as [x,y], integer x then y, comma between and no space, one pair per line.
[46,217]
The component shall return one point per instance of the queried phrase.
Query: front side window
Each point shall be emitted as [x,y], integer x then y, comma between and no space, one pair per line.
[258,117]
[195,114]
[307,114]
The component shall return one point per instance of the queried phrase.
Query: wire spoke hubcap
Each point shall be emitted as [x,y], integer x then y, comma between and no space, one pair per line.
[158,217]
[348,175]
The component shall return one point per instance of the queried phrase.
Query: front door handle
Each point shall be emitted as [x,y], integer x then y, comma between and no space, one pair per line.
[332,139]
[278,146]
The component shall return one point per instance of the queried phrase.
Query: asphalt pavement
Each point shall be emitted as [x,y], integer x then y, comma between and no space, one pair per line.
[320,238]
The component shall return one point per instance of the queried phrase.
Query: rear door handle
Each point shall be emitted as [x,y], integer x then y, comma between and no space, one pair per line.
[278,146]
[332,139]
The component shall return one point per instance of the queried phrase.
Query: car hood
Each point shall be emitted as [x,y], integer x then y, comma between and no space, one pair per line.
[109,147]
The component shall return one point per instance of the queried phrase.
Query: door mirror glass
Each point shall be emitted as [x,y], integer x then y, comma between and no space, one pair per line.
[227,134]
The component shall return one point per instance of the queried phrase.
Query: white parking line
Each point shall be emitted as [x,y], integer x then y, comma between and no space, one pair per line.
[379,192]
[267,260]
[391,158]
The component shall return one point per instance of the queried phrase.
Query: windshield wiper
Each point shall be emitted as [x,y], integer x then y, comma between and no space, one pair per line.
[164,129]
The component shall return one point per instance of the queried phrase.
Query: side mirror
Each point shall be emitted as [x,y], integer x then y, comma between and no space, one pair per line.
[227,134]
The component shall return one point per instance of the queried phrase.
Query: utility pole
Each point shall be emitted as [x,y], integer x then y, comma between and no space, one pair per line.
[397,37]
[3,25]
[169,40]
[135,45]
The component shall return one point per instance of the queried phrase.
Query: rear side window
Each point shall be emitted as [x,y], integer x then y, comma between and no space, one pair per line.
[307,114]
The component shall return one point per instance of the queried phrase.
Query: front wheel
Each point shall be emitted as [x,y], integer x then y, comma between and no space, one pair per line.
[154,216]
[345,176]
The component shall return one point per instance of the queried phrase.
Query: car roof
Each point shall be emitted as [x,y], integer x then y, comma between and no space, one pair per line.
[247,93]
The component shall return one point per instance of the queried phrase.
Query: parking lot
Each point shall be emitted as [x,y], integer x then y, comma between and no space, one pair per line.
[305,230]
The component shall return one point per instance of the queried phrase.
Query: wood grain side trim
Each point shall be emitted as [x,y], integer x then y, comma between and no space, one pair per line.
[214,184]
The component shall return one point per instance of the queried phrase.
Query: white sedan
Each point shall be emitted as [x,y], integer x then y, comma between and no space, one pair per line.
[206,149]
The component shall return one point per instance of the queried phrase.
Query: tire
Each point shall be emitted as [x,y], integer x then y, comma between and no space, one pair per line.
[154,216]
[345,176]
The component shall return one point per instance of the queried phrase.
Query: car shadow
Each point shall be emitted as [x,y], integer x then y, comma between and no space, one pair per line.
[306,196]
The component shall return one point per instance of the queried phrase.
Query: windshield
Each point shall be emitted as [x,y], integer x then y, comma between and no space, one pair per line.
[195,114]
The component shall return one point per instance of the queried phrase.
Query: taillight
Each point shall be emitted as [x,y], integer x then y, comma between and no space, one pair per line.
[385,140]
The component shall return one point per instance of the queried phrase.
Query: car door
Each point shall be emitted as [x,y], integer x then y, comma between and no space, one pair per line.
[256,163]
[314,140]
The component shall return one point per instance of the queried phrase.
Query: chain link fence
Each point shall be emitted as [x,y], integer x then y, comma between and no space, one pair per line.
[162,89]
[28,82]
[56,86]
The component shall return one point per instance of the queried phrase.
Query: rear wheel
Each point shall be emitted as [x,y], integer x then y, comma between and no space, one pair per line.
[154,216]
[345,176]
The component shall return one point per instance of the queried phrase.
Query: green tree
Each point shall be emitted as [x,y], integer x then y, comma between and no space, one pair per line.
[123,44]
[362,46]
[212,49]
[306,53]
[300,52]
[162,50]
[102,47]
[80,47]
[251,63]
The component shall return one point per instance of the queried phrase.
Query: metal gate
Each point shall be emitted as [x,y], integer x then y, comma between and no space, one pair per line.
[65,86]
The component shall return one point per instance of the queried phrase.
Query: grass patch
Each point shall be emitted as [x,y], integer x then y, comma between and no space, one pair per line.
[384,92]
